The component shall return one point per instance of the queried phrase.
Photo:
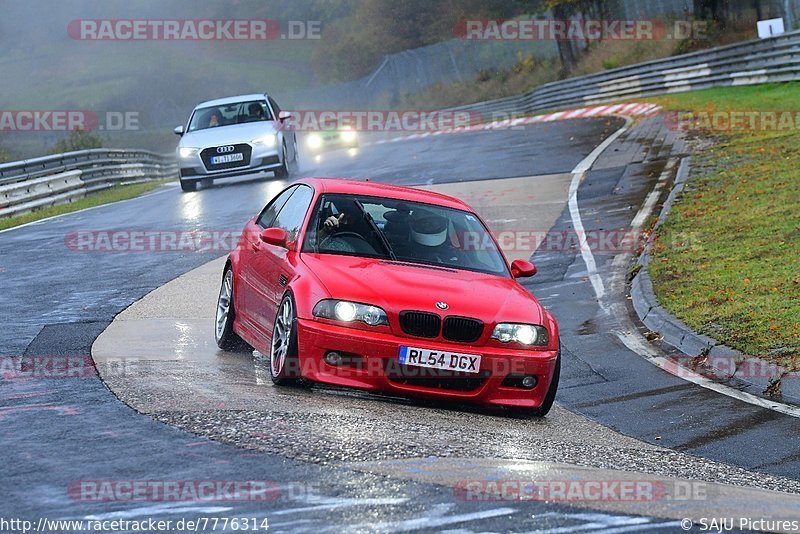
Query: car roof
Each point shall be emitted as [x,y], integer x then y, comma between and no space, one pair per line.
[232,100]
[396,192]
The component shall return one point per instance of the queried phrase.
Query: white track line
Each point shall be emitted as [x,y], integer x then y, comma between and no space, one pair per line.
[628,333]
[650,202]
[577,224]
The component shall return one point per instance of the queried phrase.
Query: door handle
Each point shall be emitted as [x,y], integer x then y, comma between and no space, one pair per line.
[255,246]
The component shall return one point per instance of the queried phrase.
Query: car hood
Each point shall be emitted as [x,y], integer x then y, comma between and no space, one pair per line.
[227,135]
[397,286]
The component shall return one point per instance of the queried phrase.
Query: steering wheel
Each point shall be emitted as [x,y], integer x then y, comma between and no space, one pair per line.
[340,236]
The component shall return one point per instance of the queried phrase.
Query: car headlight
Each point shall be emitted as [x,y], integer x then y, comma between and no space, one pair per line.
[266,140]
[314,140]
[525,334]
[349,312]
[349,135]
[188,152]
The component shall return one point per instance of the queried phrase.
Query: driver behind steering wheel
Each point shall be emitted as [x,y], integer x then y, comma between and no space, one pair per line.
[343,219]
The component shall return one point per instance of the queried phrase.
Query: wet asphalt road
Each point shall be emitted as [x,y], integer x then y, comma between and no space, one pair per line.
[55,301]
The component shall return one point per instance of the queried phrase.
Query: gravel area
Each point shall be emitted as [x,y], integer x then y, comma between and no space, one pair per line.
[332,439]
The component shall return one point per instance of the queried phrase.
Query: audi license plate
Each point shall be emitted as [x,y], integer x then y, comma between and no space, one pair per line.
[227,158]
[440,359]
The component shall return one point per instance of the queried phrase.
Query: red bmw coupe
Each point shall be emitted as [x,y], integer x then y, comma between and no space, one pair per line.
[388,289]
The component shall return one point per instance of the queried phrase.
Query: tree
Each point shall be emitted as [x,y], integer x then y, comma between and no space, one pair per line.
[78,140]
[568,50]
[716,10]
[356,44]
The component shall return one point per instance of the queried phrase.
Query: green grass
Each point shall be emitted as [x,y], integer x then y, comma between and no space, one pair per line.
[116,193]
[727,260]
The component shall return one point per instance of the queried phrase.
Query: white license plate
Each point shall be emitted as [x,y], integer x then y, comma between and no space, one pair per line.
[227,158]
[440,359]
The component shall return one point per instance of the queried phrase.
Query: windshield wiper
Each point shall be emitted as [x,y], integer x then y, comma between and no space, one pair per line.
[376,230]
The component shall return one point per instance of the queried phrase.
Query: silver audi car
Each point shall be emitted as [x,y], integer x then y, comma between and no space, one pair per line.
[233,137]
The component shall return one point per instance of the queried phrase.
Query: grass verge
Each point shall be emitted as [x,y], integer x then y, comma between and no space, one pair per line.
[114,194]
[726,261]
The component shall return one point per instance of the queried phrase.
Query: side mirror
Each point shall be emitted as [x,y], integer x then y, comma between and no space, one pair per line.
[283,115]
[275,236]
[522,269]
[178,130]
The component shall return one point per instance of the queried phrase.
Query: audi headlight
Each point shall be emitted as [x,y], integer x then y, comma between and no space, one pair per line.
[525,334]
[266,140]
[350,312]
[349,135]
[188,152]
[314,141]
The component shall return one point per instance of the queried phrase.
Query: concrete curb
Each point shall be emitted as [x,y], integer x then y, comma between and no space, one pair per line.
[706,356]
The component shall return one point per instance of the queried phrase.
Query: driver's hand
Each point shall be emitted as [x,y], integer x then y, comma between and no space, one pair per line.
[332,222]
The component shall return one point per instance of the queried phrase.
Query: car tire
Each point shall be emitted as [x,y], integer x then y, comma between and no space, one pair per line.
[187,186]
[282,172]
[284,363]
[550,397]
[226,338]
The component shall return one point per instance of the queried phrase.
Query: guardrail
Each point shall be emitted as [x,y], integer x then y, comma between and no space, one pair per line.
[62,178]
[775,59]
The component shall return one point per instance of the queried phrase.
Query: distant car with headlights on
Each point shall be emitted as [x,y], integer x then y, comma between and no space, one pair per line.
[387,289]
[235,136]
[331,137]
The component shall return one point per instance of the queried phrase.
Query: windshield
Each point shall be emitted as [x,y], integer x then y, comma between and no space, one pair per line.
[236,113]
[403,231]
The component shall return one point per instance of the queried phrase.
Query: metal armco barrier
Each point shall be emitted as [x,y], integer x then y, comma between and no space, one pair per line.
[776,59]
[47,181]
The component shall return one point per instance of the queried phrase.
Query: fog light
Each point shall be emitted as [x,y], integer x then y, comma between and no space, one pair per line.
[520,381]
[333,358]
[529,382]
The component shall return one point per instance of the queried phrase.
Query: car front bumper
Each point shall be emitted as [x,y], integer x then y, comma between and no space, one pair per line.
[262,159]
[373,365]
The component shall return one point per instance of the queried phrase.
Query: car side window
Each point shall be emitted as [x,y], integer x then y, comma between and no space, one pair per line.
[275,108]
[293,213]
[268,214]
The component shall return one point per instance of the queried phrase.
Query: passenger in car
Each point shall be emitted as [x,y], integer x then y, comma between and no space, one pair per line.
[214,118]
[430,232]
